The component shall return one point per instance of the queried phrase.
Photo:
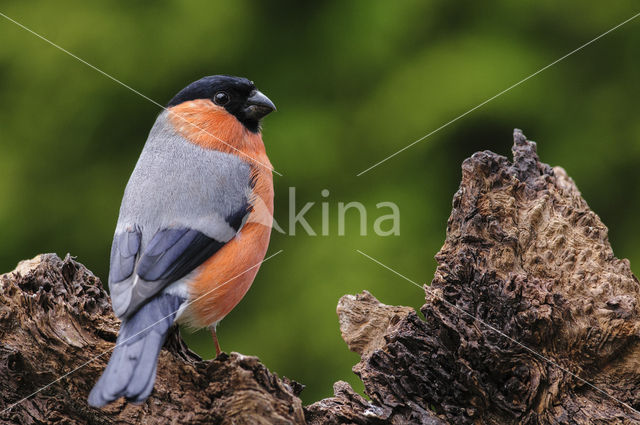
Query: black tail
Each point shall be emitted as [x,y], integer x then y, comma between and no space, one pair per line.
[131,371]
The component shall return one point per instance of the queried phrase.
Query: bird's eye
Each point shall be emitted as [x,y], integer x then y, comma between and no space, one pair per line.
[221,98]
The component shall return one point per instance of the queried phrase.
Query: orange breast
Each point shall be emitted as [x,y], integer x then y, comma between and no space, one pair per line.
[227,276]
[208,125]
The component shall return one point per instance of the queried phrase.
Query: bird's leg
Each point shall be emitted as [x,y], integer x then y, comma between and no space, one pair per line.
[215,340]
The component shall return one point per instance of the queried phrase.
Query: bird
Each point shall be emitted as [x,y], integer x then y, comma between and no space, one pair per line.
[193,228]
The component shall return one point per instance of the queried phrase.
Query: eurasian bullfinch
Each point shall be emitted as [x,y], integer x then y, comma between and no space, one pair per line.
[186,248]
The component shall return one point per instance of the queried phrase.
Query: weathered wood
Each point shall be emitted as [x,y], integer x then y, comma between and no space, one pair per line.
[525,260]
[526,255]
[55,317]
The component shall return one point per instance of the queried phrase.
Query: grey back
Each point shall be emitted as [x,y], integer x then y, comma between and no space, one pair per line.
[175,185]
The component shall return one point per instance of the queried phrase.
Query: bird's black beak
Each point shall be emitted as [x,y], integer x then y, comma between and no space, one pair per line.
[258,106]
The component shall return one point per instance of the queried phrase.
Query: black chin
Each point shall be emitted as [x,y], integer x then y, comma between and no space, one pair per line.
[251,124]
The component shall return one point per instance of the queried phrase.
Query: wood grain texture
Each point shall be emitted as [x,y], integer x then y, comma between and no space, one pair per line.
[526,255]
[55,317]
[523,254]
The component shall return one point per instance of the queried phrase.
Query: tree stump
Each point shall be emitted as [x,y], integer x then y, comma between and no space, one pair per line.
[530,319]
[55,317]
[525,260]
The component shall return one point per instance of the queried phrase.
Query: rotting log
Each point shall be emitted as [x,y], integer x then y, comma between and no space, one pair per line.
[524,260]
[530,319]
[55,317]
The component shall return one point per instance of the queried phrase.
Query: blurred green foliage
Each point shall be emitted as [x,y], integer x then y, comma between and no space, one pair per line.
[353,82]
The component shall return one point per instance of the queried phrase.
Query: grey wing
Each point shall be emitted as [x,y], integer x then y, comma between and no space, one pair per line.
[124,252]
[181,205]
[171,254]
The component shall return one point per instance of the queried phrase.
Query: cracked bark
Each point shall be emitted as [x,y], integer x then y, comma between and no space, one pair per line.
[55,317]
[524,254]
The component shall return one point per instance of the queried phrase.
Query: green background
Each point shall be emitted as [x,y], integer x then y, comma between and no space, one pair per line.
[354,82]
